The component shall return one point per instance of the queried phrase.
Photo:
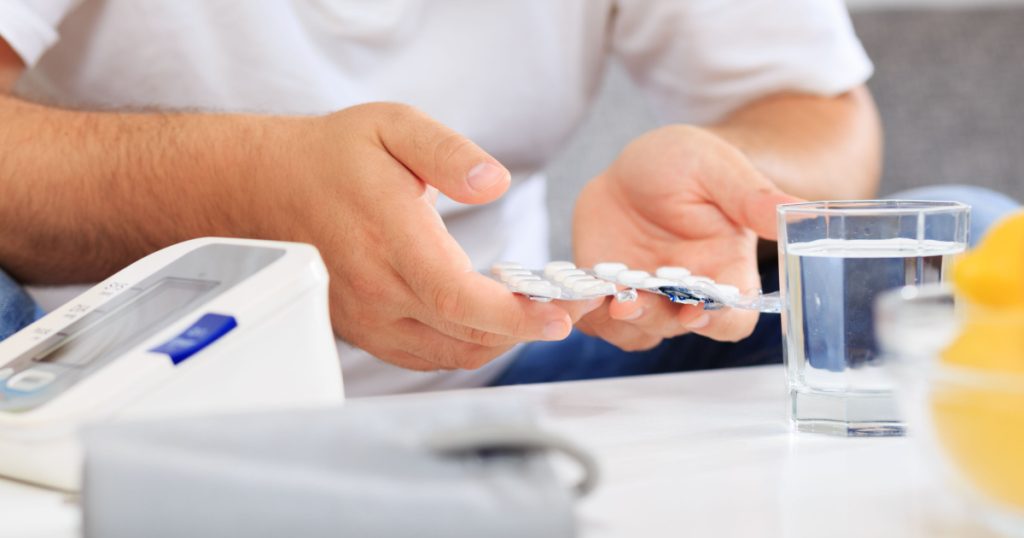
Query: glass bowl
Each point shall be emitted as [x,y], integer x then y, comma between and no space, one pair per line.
[960,369]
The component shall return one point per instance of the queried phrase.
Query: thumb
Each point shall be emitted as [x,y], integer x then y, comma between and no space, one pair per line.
[442,158]
[757,210]
[747,196]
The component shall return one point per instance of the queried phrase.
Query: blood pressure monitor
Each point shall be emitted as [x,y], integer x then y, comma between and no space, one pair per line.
[209,325]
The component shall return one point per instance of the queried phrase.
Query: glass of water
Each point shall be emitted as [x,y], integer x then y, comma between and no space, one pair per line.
[835,258]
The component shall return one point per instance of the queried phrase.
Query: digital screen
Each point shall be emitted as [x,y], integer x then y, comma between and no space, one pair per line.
[112,333]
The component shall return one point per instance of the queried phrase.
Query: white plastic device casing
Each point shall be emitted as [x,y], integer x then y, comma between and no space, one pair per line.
[282,353]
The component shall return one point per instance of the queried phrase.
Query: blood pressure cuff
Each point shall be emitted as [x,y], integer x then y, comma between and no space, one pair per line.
[449,468]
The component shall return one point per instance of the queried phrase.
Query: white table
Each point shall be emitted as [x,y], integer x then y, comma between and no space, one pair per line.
[695,454]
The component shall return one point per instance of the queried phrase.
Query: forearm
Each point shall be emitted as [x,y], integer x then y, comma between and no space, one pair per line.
[86,193]
[813,147]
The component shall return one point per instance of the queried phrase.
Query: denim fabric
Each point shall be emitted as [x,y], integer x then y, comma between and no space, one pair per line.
[585,357]
[987,206]
[17,309]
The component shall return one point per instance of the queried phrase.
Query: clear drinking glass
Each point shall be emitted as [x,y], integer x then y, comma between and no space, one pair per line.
[835,258]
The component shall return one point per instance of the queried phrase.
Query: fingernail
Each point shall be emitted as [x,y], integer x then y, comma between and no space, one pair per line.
[635,315]
[699,322]
[554,330]
[484,176]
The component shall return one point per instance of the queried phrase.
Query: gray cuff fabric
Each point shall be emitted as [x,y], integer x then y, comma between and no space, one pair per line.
[458,466]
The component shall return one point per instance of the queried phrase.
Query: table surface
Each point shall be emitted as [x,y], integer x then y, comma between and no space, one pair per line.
[696,454]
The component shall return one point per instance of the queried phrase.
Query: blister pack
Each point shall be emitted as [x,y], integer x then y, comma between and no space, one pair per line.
[564,281]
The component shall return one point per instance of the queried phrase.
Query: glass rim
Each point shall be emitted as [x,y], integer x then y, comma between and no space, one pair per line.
[869,207]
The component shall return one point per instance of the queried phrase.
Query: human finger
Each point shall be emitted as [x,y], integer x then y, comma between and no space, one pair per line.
[620,334]
[441,350]
[731,324]
[441,157]
[749,199]
[654,314]
[467,298]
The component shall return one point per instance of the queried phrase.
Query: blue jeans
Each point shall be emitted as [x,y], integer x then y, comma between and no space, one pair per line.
[17,309]
[585,357]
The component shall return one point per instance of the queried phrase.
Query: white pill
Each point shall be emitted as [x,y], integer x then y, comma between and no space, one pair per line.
[675,273]
[553,267]
[632,278]
[514,280]
[498,267]
[696,280]
[594,288]
[539,288]
[576,284]
[509,273]
[572,279]
[566,273]
[609,269]
[727,291]
[655,283]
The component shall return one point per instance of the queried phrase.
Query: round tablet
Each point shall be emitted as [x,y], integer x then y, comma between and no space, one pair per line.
[696,280]
[509,273]
[632,278]
[727,291]
[498,267]
[572,279]
[514,280]
[669,271]
[539,288]
[553,267]
[609,269]
[566,273]
[578,284]
[655,283]
[595,288]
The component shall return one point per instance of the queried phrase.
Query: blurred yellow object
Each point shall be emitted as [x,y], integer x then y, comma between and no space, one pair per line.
[982,431]
[993,273]
[991,278]
[978,409]
[992,341]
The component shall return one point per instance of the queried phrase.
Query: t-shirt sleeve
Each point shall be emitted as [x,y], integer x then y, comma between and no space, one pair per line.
[30,26]
[699,60]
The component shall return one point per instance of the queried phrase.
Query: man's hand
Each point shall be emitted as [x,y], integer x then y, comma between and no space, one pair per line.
[85,193]
[363,191]
[678,195]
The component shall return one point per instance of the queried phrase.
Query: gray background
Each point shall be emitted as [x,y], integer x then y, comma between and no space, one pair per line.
[947,83]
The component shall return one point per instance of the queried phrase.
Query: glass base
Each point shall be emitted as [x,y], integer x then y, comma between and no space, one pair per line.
[846,414]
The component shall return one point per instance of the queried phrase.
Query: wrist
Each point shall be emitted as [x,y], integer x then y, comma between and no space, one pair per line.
[261,166]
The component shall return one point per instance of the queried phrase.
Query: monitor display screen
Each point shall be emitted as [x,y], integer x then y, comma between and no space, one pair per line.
[107,335]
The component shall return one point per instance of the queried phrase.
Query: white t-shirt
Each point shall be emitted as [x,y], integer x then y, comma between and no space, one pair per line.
[515,76]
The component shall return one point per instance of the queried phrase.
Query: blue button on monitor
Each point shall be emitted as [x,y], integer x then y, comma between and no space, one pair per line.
[202,333]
